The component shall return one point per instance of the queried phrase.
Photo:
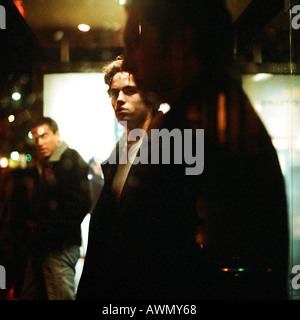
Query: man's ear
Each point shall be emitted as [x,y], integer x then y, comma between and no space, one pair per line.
[57,135]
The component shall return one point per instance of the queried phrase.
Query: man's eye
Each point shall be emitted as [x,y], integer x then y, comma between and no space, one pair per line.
[114,93]
[129,91]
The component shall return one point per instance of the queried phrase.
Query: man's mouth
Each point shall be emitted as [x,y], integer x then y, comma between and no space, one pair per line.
[42,150]
[121,110]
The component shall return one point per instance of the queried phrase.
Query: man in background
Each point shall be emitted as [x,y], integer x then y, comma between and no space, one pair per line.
[60,201]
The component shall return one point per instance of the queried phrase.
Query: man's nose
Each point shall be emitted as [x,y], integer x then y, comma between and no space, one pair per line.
[121,97]
[118,102]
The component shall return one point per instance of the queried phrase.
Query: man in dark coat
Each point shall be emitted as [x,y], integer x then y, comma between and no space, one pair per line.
[103,276]
[183,229]
[60,201]
[181,52]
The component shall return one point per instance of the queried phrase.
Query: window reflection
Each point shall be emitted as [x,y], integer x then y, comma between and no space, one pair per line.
[272,82]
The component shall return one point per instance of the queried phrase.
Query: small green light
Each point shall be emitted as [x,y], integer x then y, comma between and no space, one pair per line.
[28,157]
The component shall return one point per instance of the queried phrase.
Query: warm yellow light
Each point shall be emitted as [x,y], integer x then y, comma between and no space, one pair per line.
[164,107]
[11,118]
[3,162]
[84,27]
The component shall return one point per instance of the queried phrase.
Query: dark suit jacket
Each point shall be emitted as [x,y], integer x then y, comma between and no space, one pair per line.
[218,235]
[61,199]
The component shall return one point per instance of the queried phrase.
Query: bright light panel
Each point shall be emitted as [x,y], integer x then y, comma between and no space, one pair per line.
[80,104]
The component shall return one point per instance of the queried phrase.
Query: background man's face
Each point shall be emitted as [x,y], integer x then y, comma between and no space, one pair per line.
[46,141]
[127,102]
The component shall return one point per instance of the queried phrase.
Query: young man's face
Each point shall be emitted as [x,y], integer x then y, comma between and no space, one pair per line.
[127,102]
[46,141]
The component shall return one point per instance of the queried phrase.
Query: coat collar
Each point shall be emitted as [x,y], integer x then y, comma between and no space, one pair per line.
[56,155]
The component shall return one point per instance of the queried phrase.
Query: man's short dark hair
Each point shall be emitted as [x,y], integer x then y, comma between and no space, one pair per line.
[45,120]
